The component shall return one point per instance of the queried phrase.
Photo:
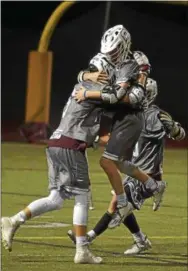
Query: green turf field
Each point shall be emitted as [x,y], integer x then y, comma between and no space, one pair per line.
[41,245]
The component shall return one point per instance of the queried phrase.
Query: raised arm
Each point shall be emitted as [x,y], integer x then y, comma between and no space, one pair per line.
[173,129]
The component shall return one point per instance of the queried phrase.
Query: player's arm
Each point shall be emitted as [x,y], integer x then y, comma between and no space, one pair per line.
[109,94]
[114,94]
[173,129]
[118,92]
[81,76]
[93,72]
[137,92]
[94,76]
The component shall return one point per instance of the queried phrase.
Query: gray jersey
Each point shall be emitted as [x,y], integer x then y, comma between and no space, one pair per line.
[148,153]
[80,121]
[129,72]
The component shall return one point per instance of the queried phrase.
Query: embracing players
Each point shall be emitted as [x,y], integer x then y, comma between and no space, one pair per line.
[128,91]
[67,169]
[148,155]
[79,125]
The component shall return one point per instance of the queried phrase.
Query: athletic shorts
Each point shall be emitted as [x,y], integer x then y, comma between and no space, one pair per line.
[124,135]
[67,170]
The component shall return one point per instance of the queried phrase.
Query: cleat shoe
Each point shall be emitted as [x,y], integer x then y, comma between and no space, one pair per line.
[8,230]
[158,196]
[121,213]
[84,255]
[139,247]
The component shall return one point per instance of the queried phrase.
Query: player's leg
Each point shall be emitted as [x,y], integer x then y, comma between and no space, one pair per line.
[132,188]
[129,138]
[110,168]
[141,242]
[151,185]
[108,162]
[120,145]
[158,197]
[11,224]
[136,194]
[53,202]
[80,216]
[76,163]
[128,168]
[101,225]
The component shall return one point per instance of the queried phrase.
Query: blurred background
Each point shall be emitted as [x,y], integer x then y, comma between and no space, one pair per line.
[158,29]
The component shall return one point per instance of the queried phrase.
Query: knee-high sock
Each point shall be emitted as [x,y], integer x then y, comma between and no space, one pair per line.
[101,226]
[131,223]
[53,202]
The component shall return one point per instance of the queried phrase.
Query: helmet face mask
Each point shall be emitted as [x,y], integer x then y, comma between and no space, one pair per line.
[113,55]
[119,54]
[151,90]
[115,44]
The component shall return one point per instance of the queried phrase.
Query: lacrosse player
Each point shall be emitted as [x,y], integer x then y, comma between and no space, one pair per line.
[128,119]
[67,170]
[148,155]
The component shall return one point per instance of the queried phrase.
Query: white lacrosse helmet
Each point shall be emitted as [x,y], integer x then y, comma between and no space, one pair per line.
[116,43]
[102,64]
[151,90]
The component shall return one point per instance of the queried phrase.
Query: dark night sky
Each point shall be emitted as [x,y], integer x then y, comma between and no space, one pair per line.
[35,13]
[157,29]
